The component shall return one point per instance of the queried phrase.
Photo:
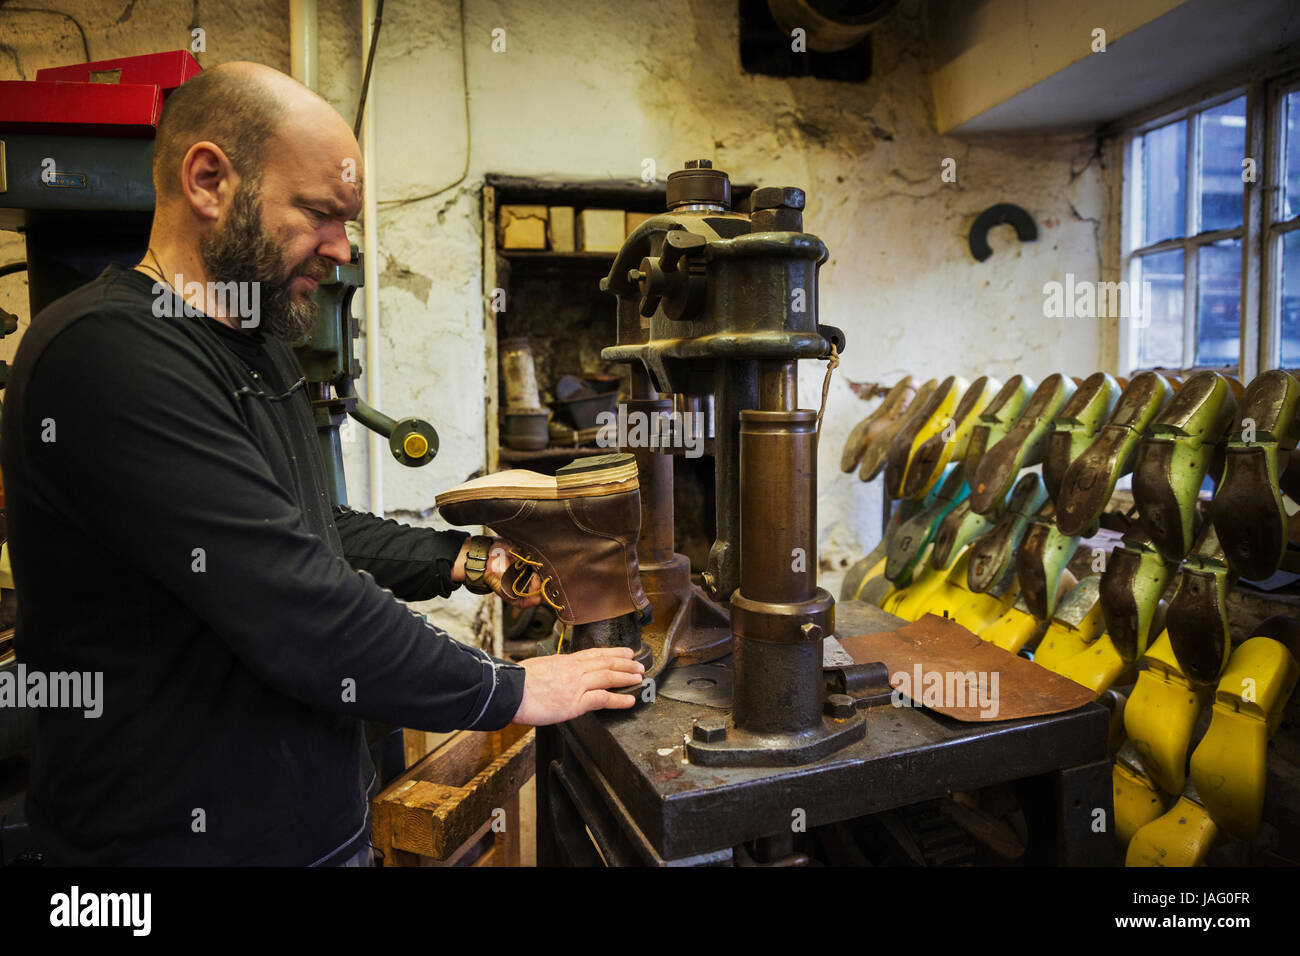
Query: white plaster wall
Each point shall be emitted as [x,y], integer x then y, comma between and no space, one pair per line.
[589,90]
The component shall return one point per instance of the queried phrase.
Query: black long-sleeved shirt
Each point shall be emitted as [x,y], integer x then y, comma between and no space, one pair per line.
[170,526]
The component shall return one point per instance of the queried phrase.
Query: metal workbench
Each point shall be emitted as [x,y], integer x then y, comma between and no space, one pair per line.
[615,787]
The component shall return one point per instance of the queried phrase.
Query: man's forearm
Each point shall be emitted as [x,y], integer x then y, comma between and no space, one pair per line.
[414,563]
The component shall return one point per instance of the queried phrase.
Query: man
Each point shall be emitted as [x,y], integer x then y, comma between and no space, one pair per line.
[170,527]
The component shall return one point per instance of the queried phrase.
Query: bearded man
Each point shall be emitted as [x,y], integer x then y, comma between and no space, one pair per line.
[170,527]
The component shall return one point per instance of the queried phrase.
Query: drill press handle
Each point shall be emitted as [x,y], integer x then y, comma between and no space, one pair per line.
[675,279]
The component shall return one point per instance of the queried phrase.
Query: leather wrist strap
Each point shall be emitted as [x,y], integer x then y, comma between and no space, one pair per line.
[476,563]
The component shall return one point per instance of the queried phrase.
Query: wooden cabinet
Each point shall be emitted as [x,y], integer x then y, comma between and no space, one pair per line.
[552,298]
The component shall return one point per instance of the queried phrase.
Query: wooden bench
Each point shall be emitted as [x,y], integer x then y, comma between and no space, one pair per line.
[460,805]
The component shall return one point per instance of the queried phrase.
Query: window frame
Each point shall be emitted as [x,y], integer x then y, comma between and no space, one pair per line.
[1132,249]
[1274,226]
[1265,85]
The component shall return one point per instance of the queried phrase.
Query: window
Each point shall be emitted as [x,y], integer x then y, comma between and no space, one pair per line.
[1282,243]
[1185,231]
[1204,212]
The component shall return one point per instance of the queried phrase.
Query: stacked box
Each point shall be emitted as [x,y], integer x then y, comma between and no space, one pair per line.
[633,219]
[521,227]
[559,229]
[600,230]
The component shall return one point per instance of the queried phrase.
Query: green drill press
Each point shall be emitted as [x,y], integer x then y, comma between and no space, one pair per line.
[330,368]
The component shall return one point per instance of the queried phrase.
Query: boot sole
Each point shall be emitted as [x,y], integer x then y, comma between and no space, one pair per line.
[1173,459]
[998,416]
[1021,446]
[1076,426]
[1247,508]
[901,449]
[1197,624]
[1042,560]
[891,406]
[876,452]
[1167,514]
[1271,403]
[1090,480]
[960,528]
[937,450]
[1248,513]
[905,550]
[993,554]
[1131,587]
[594,478]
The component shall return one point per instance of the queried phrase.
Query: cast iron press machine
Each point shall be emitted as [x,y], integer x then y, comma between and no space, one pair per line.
[715,302]
[749,730]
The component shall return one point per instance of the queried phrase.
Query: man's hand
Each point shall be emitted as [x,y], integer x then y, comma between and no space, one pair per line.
[565,686]
[497,577]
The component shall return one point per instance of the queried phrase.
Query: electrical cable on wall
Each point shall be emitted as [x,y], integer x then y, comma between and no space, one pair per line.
[56,13]
[464,77]
[370,62]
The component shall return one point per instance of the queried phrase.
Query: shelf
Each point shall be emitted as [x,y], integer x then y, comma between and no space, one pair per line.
[547,454]
[547,255]
[630,194]
[609,194]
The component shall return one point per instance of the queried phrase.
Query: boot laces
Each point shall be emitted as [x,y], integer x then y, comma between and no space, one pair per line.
[523,564]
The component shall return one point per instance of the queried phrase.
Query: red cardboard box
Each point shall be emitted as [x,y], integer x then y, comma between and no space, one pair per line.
[164,70]
[92,109]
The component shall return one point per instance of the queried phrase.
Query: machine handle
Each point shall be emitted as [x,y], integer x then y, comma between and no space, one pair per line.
[413,441]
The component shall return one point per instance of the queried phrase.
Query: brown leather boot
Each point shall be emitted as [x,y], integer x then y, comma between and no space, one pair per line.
[577,530]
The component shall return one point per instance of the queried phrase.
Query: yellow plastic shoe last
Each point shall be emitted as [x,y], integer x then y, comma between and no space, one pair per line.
[981,610]
[932,426]
[1161,715]
[947,592]
[1181,837]
[1138,800]
[891,599]
[973,611]
[931,455]
[1228,765]
[909,602]
[1078,622]
[1059,644]
[1097,666]
[1114,699]
[1014,630]
[865,571]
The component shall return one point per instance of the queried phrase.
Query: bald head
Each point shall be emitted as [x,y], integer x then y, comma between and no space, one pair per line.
[256,178]
[244,109]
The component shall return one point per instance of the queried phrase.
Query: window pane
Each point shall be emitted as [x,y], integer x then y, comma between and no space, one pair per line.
[1164,182]
[1291,156]
[1218,305]
[1222,147]
[1160,279]
[1290,350]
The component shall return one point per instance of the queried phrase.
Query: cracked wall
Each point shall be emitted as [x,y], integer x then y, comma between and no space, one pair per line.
[588,91]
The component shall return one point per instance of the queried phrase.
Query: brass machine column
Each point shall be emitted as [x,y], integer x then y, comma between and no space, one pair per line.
[778,615]
[723,303]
